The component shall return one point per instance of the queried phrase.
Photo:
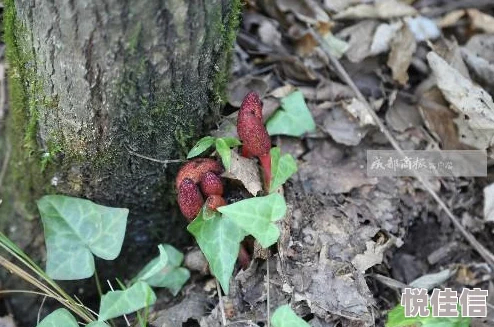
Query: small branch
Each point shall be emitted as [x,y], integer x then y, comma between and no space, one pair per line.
[165,162]
[125,317]
[222,307]
[39,310]
[268,303]
[488,256]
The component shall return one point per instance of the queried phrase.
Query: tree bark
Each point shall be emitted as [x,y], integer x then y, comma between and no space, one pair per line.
[93,81]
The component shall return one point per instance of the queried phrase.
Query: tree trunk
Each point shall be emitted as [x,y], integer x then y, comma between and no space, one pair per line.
[92,81]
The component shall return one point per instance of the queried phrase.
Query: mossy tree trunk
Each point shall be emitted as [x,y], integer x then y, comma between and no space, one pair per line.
[92,80]
[89,82]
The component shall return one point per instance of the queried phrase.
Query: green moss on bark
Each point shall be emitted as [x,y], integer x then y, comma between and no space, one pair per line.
[24,179]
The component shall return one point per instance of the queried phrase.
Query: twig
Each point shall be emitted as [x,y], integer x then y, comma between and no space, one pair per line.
[222,308]
[125,317]
[488,256]
[267,293]
[39,310]
[165,162]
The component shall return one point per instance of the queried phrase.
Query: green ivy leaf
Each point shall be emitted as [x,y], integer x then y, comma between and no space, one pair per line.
[97,324]
[59,317]
[201,146]
[285,317]
[75,229]
[173,280]
[225,152]
[293,118]
[396,318]
[219,239]
[231,141]
[282,168]
[256,216]
[165,270]
[117,303]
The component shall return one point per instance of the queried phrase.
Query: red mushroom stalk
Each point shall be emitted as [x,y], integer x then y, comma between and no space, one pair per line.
[253,134]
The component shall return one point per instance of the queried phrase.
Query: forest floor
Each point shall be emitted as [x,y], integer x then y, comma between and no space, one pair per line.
[351,242]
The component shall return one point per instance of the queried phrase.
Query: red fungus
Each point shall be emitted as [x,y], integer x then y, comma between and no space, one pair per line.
[211,184]
[190,199]
[196,168]
[215,201]
[253,134]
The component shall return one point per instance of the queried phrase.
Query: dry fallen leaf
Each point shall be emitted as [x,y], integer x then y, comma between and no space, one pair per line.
[269,34]
[423,28]
[489,203]
[327,91]
[7,321]
[403,47]
[394,8]
[282,91]
[240,87]
[481,69]
[359,111]
[307,11]
[451,18]
[383,9]
[439,119]
[343,128]
[402,115]
[383,36]
[451,52]
[467,98]
[338,5]
[359,38]
[475,105]
[482,45]
[246,171]
[292,68]
[372,256]
[481,21]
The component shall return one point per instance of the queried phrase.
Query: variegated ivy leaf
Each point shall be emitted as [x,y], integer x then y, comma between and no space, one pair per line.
[257,216]
[118,303]
[75,229]
[219,239]
[282,168]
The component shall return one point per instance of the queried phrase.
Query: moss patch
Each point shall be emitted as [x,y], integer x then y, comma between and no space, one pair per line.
[24,179]
[228,29]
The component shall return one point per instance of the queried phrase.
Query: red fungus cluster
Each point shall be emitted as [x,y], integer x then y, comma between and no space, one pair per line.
[199,178]
[201,172]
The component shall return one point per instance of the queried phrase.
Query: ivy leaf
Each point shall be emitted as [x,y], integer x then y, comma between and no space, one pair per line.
[293,118]
[225,152]
[396,318]
[231,141]
[155,265]
[282,168]
[59,317]
[165,270]
[75,229]
[201,146]
[173,279]
[219,239]
[256,216]
[97,324]
[117,303]
[285,317]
